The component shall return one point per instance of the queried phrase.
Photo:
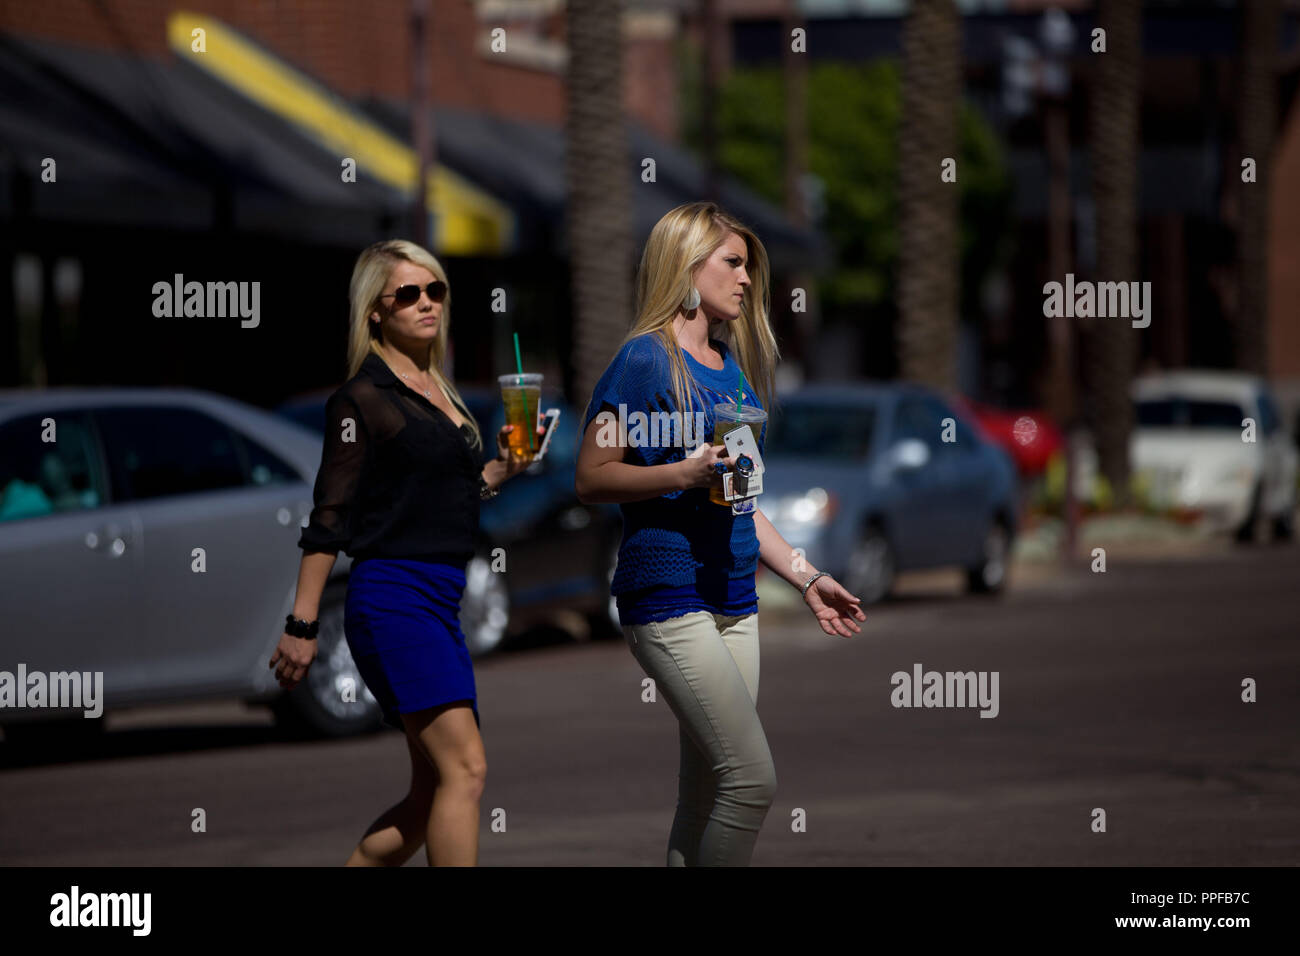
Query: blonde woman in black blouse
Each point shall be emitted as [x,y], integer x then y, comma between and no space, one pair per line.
[398,490]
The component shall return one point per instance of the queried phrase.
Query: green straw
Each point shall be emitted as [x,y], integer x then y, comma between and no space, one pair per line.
[740,390]
[519,367]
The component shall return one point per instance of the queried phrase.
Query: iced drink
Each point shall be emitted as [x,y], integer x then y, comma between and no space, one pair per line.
[725,419]
[522,394]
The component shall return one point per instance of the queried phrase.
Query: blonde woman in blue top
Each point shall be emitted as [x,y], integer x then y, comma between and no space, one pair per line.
[685,578]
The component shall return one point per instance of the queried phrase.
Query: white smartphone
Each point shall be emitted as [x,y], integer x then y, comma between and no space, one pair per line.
[549,419]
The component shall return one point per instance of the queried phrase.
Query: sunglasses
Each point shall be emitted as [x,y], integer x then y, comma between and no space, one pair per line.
[409,294]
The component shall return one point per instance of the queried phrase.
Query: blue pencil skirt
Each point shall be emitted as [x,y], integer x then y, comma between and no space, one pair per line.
[400,618]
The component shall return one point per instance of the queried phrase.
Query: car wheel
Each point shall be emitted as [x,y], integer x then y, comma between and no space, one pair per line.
[332,700]
[485,607]
[990,574]
[871,567]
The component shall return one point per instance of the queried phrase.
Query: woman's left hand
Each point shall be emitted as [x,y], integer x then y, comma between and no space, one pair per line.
[834,607]
[513,464]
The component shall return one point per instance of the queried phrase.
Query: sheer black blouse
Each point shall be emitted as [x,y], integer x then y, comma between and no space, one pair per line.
[397,478]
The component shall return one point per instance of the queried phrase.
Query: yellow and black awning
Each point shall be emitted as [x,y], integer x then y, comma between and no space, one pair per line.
[235,141]
[468,221]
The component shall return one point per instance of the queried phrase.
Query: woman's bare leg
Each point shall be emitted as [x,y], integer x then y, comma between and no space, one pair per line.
[401,830]
[449,736]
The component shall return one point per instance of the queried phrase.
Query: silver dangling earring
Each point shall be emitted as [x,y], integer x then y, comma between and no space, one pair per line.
[692,300]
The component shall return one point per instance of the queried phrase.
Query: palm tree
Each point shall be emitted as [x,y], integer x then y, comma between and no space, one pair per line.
[928,265]
[597,173]
[1260,31]
[1110,346]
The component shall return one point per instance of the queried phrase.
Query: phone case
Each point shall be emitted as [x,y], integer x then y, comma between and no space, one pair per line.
[551,417]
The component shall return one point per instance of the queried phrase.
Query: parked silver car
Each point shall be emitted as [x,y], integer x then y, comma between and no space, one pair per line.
[151,535]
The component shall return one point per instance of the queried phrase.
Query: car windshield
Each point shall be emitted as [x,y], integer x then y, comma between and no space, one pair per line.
[1179,412]
[822,431]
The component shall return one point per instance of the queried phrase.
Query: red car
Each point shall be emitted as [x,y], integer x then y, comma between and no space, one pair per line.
[1029,436]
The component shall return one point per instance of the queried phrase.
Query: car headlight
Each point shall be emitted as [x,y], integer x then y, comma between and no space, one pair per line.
[812,508]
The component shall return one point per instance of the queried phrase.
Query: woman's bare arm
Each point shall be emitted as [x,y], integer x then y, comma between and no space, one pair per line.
[837,611]
[313,573]
[775,552]
[603,477]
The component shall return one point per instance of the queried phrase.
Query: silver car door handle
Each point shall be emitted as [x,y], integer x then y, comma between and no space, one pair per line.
[108,538]
[284,515]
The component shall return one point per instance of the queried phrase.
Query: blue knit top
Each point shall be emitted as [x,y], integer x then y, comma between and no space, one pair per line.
[680,552]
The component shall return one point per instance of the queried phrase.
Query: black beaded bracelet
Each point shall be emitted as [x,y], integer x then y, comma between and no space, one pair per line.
[300,628]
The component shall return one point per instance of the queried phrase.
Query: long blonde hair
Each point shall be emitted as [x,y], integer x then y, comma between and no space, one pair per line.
[679,242]
[369,276]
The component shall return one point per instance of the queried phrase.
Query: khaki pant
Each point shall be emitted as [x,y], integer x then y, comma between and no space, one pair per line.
[706,667]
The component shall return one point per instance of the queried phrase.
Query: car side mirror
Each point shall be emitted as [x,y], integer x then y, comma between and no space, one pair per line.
[911,453]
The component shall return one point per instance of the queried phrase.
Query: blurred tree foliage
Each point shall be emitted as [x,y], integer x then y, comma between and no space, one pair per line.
[853,116]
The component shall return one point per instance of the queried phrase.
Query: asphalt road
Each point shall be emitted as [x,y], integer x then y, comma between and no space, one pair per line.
[1119,691]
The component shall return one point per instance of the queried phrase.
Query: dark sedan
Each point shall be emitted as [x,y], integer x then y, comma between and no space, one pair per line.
[870,480]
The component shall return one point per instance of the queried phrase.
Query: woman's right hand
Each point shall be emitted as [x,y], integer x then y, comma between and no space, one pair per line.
[699,468]
[294,655]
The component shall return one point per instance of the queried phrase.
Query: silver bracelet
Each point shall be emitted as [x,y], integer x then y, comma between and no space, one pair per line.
[803,591]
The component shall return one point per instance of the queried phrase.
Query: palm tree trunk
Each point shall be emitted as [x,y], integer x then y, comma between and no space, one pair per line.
[599,201]
[794,67]
[1260,31]
[928,257]
[1111,344]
